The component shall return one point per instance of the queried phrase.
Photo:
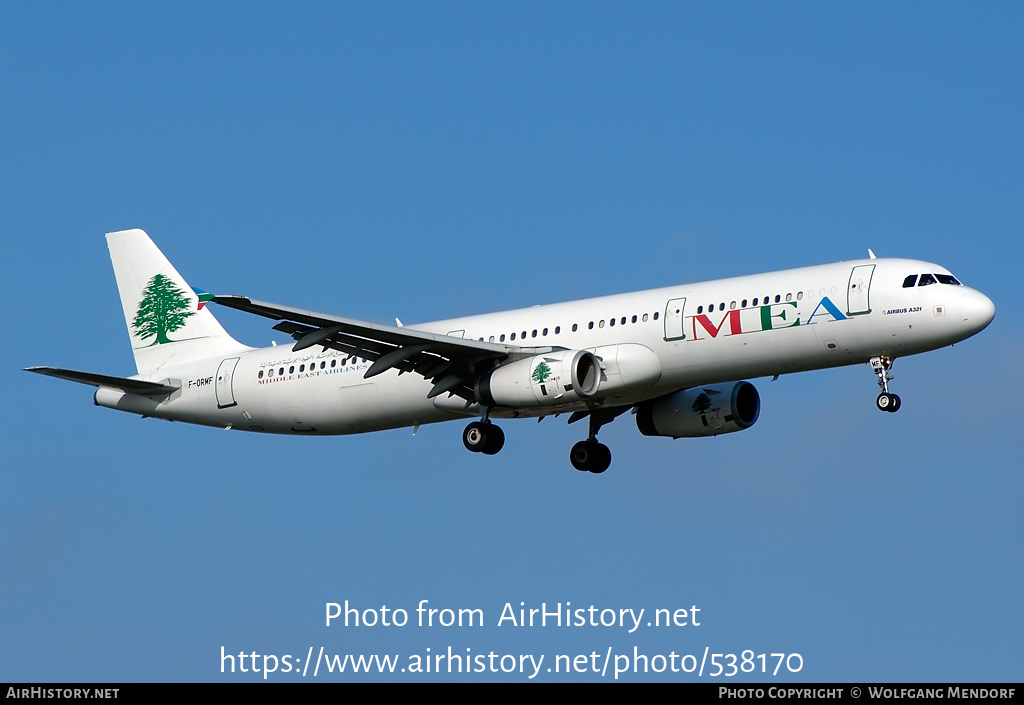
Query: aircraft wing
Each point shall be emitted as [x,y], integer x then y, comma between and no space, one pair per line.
[450,363]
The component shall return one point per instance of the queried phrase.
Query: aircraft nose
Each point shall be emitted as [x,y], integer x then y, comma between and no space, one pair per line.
[977,310]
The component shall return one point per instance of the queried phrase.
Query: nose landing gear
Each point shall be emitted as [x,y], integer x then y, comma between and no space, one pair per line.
[886,401]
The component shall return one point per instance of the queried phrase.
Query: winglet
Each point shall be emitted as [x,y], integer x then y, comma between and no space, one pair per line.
[204,297]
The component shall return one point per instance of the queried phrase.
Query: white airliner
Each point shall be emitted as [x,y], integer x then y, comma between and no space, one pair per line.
[675,356]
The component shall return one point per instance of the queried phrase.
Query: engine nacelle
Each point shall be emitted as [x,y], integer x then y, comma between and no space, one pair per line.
[558,377]
[701,411]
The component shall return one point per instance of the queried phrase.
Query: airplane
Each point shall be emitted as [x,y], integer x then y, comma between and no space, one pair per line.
[677,357]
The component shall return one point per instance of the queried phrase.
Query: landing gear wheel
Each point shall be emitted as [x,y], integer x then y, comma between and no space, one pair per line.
[495,439]
[603,460]
[474,437]
[480,437]
[590,456]
[883,402]
[887,402]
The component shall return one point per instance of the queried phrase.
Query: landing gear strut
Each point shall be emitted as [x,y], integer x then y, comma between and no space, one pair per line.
[880,365]
[483,437]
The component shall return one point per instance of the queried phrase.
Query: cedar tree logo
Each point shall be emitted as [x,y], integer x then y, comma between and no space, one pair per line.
[163,309]
[702,403]
[541,373]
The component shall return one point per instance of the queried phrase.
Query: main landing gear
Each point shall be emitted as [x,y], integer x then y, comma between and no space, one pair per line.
[880,365]
[589,455]
[483,437]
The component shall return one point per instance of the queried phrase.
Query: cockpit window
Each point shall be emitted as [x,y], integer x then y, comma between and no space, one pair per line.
[910,281]
[926,279]
[947,279]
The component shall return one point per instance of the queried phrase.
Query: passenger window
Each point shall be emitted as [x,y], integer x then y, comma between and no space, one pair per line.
[575,327]
[502,338]
[558,329]
[534,335]
[634,318]
[512,337]
[645,318]
[926,279]
[655,315]
[261,374]
[590,325]
[700,309]
[611,322]
[910,281]
[601,323]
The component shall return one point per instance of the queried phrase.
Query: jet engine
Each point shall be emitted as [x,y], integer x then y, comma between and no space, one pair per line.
[701,411]
[558,377]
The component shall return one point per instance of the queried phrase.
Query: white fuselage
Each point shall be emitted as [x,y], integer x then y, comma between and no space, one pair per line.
[651,343]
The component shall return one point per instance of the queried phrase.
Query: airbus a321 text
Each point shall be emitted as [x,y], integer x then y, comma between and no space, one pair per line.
[675,356]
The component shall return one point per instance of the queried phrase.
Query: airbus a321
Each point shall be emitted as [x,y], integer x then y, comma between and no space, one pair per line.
[676,357]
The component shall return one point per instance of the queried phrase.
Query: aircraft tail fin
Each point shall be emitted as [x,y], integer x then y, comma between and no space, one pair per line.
[167,320]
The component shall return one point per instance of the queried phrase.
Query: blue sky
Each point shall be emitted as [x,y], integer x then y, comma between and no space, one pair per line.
[437,159]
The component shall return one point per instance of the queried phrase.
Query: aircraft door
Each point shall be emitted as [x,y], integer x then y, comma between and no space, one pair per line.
[674,319]
[225,389]
[857,294]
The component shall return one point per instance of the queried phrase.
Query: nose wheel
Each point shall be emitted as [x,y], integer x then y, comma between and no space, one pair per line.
[886,401]
[483,437]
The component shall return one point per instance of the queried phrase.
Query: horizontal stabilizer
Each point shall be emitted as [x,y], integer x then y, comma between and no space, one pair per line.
[131,386]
